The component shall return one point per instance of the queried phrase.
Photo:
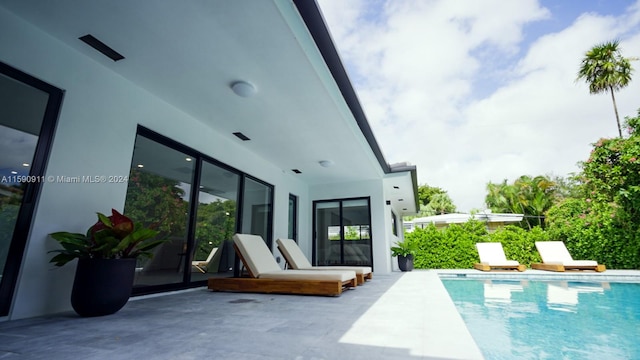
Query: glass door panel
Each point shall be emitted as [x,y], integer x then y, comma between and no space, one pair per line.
[26,106]
[257,207]
[356,230]
[343,232]
[293,218]
[158,195]
[215,224]
[328,233]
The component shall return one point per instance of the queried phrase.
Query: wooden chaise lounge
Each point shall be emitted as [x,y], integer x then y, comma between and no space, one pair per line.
[556,257]
[265,275]
[296,260]
[492,258]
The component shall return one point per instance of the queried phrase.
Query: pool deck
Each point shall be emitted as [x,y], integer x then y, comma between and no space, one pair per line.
[394,316]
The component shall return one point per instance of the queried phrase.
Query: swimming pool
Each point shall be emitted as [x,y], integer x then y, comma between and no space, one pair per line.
[528,319]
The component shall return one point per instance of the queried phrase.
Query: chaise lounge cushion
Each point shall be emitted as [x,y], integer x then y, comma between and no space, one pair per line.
[555,252]
[297,260]
[493,254]
[261,264]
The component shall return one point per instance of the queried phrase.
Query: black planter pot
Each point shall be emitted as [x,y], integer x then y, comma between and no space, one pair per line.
[405,263]
[102,286]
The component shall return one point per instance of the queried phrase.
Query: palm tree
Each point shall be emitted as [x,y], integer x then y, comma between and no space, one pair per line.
[605,70]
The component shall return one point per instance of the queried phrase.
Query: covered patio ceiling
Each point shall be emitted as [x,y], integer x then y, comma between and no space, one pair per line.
[189,53]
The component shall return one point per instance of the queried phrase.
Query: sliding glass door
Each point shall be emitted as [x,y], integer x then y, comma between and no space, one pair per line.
[215,221]
[28,113]
[342,233]
[197,204]
[158,196]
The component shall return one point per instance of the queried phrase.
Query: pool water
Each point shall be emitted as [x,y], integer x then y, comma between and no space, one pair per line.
[528,319]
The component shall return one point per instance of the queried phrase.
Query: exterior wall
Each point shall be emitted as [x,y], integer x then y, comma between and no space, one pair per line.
[95,136]
[381,231]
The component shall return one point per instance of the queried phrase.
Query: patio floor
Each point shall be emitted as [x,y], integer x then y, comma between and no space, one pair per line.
[395,316]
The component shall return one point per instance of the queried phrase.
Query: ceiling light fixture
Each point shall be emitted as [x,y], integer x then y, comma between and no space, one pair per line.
[25,164]
[243,88]
[326,163]
[188,159]
[140,166]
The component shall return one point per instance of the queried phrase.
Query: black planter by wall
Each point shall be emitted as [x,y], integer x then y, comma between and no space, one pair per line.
[405,263]
[102,286]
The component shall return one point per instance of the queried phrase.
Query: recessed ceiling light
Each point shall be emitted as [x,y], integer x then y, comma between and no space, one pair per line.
[14,172]
[140,165]
[25,164]
[243,88]
[326,163]
[188,159]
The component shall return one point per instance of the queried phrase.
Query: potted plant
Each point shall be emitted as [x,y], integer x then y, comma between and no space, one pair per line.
[107,256]
[405,251]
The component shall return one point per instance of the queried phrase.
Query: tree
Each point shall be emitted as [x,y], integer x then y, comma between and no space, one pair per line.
[531,196]
[606,70]
[433,200]
[603,223]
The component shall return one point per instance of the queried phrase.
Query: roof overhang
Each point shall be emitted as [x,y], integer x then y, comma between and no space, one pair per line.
[189,53]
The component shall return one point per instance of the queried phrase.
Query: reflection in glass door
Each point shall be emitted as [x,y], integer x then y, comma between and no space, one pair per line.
[197,204]
[328,233]
[159,196]
[256,204]
[342,232]
[28,112]
[216,222]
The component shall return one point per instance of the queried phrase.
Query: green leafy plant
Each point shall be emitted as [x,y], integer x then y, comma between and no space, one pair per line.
[112,237]
[403,248]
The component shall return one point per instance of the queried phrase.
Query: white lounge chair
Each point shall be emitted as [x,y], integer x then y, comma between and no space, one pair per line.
[556,257]
[202,265]
[297,261]
[492,258]
[266,276]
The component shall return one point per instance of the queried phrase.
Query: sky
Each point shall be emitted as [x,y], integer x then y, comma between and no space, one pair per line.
[479,91]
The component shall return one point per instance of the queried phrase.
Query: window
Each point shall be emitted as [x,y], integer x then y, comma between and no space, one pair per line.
[28,112]
[342,233]
[159,195]
[197,204]
[293,217]
[257,200]
[394,223]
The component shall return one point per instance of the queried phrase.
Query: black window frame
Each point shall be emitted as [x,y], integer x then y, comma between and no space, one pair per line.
[340,201]
[22,228]
[199,157]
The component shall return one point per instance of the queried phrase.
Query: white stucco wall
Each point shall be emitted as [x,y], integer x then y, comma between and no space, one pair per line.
[95,136]
[380,216]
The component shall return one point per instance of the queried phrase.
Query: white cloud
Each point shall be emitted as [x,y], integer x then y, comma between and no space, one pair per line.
[454,88]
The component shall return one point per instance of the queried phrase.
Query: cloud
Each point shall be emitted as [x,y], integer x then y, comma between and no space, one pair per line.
[456,88]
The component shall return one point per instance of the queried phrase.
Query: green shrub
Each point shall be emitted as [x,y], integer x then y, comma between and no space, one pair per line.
[519,244]
[450,248]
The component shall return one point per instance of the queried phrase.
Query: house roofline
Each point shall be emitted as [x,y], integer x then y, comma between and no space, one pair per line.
[314,20]
[312,17]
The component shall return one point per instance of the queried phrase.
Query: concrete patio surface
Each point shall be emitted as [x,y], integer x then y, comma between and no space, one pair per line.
[395,316]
